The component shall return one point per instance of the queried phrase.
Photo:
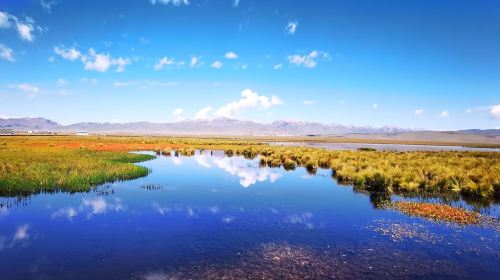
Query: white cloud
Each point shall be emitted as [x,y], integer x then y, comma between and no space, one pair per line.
[495,111]
[231,55]
[121,63]
[6,53]
[418,112]
[236,3]
[291,27]
[26,87]
[173,2]
[4,20]
[249,99]
[444,114]
[308,60]
[47,5]
[278,66]
[178,114]
[25,28]
[195,61]
[100,62]
[25,31]
[202,114]
[309,102]
[69,54]
[375,106]
[217,64]
[164,61]
[178,111]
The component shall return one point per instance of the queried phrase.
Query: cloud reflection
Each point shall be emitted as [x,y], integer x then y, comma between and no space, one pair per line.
[90,206]
[304,218]
[248,175]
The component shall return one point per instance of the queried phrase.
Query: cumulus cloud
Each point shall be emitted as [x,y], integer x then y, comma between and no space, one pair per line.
[99,62]
[231,55]
[278,66]
[418,112]
[195,61]
[25,31]
[25,28]
[249,99]
[202,114]
[93,61]
[291,27]
[69,53]
[163,62]
[307,60]
[444,114]
[495,111]
[178,114]
[309,102]
[217,64]
[6,53]
[173,2]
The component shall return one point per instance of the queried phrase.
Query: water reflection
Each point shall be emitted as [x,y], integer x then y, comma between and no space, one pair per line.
[21,237]
[207,225]
[246,170]
[90,207]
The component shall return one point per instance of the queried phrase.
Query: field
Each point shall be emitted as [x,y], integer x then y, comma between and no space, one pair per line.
[31,164]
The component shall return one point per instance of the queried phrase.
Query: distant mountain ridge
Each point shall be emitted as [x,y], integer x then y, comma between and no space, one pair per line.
[218,126]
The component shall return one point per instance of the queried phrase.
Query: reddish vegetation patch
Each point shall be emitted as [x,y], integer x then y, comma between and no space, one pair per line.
[101,146]
[438,212]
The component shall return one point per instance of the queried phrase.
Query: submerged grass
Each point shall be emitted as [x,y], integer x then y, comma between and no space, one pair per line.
[438,212]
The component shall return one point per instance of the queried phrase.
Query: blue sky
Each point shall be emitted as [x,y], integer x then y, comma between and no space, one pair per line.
[421,64]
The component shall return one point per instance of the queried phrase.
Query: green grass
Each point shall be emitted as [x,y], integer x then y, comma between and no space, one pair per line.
[24,171]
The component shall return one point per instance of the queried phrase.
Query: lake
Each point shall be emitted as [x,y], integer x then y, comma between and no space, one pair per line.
[382,147]
[210,215]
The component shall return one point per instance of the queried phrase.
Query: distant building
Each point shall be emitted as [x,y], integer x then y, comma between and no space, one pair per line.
[82,133]
[7,132]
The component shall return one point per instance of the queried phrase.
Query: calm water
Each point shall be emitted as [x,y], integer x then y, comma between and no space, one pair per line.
[197,217]
[382,147]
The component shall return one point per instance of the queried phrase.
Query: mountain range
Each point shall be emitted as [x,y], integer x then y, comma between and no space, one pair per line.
[218,126]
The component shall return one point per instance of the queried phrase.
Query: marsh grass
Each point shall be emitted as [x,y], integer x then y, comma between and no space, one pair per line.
[471,174]
[24,171]
[28,164]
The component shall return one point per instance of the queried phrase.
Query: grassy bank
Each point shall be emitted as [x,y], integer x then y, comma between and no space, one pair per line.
[472,174]
[45,163]
[25,171]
